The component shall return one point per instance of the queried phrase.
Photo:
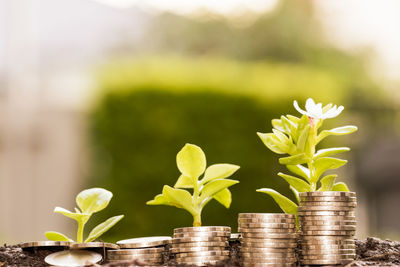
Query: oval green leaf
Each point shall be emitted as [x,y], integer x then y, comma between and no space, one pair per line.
[336,131]
[103,227]
[327,182]
[284,203]
[340,187]
[219,171]
[93,200]
[296,183]
[191,161]
[323,164]
[213,187]
[330,151]
[224,197]
[184,182]
[56,236]
[294,160]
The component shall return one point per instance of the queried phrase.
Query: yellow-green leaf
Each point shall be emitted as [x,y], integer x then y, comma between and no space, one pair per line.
[301,143]
[326,163]
[300,170]
[337,131]
[213,187]
[295,193]
[184,182]
[191,161]
[272,143]
[284,203]
[219,171]
[179,198]
[158,200]
[330,151]
[224,197]
[56,236]
[340,187]
[69,214]
[294,160]
[93,200]
[277,124]
[103,227]
[327,182]
[298,184]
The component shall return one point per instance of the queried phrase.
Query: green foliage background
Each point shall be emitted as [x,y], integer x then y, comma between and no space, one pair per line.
[148,109]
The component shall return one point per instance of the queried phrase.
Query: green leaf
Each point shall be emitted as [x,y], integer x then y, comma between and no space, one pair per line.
[336,131]
[295,193]
[56,236]
[103,227]
[340,187]
[301,143]
[281,137]
[224,197]
[303,122]
[330,151]
[184,182]
[294,160]
[293,119]
[300,170]
[277,124]
[327,182]
[158,200]
[219,171]
[296,183]
[323,164]
[179,198]
[284,203]
[213,187]
[69,214]
[93,200]
[191,161]
[272,143]
[290,127]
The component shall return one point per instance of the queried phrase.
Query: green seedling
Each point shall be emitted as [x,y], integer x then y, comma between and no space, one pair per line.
[299,137]
[89,201]
[191,162]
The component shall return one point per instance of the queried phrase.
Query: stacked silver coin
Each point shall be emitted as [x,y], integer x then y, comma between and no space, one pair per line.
[201,245]
[268,239]
[146,250]
[327,227]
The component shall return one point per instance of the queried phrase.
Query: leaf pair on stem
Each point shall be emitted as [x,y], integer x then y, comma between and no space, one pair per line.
[191,162]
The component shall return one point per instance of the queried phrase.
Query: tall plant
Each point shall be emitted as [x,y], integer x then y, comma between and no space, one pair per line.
[191,162]
[299,137]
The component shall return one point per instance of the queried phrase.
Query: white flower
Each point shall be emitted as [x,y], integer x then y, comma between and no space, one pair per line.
[316,111]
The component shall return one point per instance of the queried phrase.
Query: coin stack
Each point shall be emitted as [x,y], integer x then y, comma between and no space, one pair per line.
[268,239]
[146,250]
[327,227]
[201,245]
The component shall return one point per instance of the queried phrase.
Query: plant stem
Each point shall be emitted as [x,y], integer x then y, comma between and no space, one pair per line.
[79,237]
[197,216]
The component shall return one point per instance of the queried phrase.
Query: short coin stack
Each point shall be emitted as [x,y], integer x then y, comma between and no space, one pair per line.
[201,245]
[327,227]
[146,250]
[268,239]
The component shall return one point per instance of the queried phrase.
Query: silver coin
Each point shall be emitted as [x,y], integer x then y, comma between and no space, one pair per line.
[136,251]
[267,250]
[38,244]
[326,213]
[148,257]
[269,260]
[197,249]
[185,259]
[324,208]
[254,245]
[202,234]
[93,245]
[269,235]
[73,258]
[267,220]
[327,199]
[327,194]
[267,225]
[199,239]
[337,233]
[266,215]
[329,203]
[202,229]
[327,223]
[326,218]
[203,254]
[320,262]
[200,244]
[143,242]
[267,230]
[268,255]
[263,264]
[327,228]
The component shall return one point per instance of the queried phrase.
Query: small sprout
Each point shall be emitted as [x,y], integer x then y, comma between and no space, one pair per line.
[299,137]
[191,162]
[89,201]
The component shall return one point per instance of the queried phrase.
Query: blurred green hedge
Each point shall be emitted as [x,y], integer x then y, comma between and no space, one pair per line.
[148,109]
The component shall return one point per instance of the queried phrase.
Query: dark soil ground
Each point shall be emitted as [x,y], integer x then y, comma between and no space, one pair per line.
[370,252]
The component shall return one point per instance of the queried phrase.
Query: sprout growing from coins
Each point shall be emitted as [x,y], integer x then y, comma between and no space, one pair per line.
[191,162]
[299,137]
[88,201]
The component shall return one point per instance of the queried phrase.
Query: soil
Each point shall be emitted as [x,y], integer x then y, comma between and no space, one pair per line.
[370,252]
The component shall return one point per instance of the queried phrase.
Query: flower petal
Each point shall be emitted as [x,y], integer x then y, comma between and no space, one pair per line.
[310,105]
[333,112]
[296,106]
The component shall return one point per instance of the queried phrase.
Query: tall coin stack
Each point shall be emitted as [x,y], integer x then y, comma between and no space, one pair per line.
[201,245]
[146,250]
[268,239]
[327,227]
